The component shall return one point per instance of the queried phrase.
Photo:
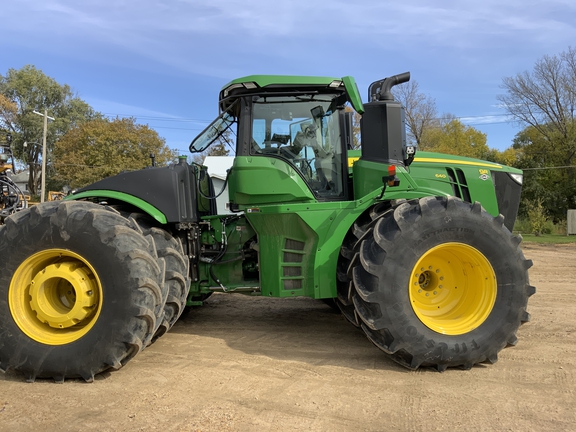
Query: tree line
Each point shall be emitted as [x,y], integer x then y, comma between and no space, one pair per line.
[82,145]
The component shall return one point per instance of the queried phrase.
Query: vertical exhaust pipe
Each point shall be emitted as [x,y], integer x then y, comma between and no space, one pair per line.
[381,90]
[383,124]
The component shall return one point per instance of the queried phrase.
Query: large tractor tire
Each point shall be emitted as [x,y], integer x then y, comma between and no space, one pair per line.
[439,283]
[79,287]
[348,258]
[176,278]
[176,281]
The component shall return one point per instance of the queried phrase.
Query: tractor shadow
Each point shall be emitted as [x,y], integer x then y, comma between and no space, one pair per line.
[294,329]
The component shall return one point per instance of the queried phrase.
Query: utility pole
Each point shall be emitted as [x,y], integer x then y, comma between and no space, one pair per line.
[45,115]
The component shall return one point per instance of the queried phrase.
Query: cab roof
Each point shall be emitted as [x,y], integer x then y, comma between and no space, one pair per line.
[277,83]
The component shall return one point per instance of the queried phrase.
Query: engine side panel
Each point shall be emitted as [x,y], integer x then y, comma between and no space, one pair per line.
[171,190]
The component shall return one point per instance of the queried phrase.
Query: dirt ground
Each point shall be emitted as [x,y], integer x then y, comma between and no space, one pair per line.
[260,364]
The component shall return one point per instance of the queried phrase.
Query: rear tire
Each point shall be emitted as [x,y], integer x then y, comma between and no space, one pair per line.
[176,281]
[78,289]
[441,283]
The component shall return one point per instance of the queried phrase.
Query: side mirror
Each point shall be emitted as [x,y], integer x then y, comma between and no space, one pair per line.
[317,112]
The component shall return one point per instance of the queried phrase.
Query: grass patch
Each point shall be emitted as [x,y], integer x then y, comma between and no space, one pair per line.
[548,239]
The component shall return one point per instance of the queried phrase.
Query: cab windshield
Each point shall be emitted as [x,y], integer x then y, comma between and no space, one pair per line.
[304,130]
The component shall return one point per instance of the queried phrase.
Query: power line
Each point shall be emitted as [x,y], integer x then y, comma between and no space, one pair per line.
[545,168]
[191,120]
[177,119]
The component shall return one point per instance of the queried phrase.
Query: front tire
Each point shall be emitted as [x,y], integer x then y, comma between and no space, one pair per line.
[79,286]
[439,282]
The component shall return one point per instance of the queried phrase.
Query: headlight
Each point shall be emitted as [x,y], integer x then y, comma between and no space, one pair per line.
[516,177]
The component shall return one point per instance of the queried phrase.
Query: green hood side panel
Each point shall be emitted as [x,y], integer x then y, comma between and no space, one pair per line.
[433,174]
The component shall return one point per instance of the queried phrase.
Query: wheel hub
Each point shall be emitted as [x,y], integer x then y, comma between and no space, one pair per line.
[63,294]
[452,288]
[55,296]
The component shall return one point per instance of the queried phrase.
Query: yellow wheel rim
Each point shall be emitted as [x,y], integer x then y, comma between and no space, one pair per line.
[452,288]
[55,297]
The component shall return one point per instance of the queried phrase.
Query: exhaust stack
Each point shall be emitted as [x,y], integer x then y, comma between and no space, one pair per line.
[383,124]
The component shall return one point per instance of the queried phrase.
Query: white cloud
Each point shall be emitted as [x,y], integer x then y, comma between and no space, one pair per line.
[137,24]
[113,108]
[485,119]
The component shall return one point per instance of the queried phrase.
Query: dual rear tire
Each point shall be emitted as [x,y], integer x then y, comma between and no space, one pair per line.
[83,289]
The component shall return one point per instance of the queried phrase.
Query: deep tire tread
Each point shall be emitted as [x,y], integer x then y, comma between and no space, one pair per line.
[369,300]
[176,283]
[348,257]
[69,222]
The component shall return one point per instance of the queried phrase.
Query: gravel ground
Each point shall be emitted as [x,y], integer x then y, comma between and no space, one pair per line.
[261,364]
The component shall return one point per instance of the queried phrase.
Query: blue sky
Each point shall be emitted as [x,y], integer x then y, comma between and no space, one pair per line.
[164,62]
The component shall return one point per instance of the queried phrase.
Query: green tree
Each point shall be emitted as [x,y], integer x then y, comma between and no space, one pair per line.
[101,148]
[544,101]
[546,179]
[26,90]
[536,216]
[456,138]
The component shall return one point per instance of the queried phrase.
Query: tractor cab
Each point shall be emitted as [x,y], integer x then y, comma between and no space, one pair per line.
[291,138]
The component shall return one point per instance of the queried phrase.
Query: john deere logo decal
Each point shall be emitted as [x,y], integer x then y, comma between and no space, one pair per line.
[483,174]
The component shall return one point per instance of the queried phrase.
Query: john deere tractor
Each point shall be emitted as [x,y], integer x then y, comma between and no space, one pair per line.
[414,248]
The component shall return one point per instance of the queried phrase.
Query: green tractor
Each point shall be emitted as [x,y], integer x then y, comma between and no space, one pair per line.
[414,249]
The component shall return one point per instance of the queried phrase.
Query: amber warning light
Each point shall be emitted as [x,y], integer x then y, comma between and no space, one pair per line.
[392,180]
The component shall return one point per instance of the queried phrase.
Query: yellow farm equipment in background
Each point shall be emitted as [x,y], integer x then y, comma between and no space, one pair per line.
[55,196]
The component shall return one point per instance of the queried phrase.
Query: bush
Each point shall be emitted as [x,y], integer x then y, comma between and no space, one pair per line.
[539,221]
[561,228]
[522,226]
